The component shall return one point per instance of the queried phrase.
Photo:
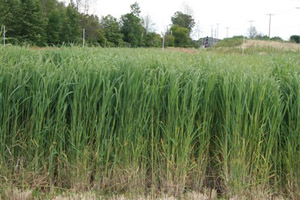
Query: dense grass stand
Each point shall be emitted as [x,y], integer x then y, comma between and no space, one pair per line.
[148,122]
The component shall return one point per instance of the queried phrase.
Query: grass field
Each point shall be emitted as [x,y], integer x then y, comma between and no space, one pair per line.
[146,122]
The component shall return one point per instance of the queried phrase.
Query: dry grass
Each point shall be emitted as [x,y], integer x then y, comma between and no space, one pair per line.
[184,50]
[16,194]
[208,194]
[285,46]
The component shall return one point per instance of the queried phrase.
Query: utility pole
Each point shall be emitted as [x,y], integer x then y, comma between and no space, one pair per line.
[270,18]
[163,43]
[3,35]
[217,35]
[83,37]
[244,40]
[297,7]
[250,30]
[251,21]
[212,34]
[227,28]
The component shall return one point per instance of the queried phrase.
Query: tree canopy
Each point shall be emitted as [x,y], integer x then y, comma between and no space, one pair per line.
[132,28]
[50,22]
[182,25]
[181,35]
[295,38]
[183,20]
[112,31]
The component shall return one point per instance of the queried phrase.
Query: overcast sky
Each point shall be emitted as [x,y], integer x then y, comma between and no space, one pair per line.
[234,14]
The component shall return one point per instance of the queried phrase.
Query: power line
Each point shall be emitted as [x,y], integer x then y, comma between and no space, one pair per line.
[272,14]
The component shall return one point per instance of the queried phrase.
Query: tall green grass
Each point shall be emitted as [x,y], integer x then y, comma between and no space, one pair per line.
[149,122]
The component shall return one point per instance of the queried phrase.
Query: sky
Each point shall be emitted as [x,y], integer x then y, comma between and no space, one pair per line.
[214,15]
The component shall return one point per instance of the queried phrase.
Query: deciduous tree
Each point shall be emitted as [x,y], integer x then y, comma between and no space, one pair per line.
[295,38]
[183,20]
[112,31]
[32,23]
[152,39]
[181,35]
[132,28]
[93,31]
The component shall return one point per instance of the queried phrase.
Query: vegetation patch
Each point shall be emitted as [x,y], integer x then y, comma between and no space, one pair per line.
[149,123]
[229,42]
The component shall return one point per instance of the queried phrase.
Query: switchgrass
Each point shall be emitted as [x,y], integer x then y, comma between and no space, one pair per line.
[147,122]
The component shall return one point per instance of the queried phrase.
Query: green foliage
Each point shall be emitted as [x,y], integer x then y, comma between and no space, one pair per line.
[181,28]
[295,38]
[48,6]
[50,22]
[262,37]
[71,28]
[10,17]
[93,31]
[147,121]
[32,23]
[230,42]
[276,38]
[196,43]
[238,37]
[135,9]
[54,27]
[152,40]
[112,30]
[39,21]
[132,28]
[183,20]
[169,40]
[181,35]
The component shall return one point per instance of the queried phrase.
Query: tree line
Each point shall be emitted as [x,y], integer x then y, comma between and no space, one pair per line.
[52,23]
